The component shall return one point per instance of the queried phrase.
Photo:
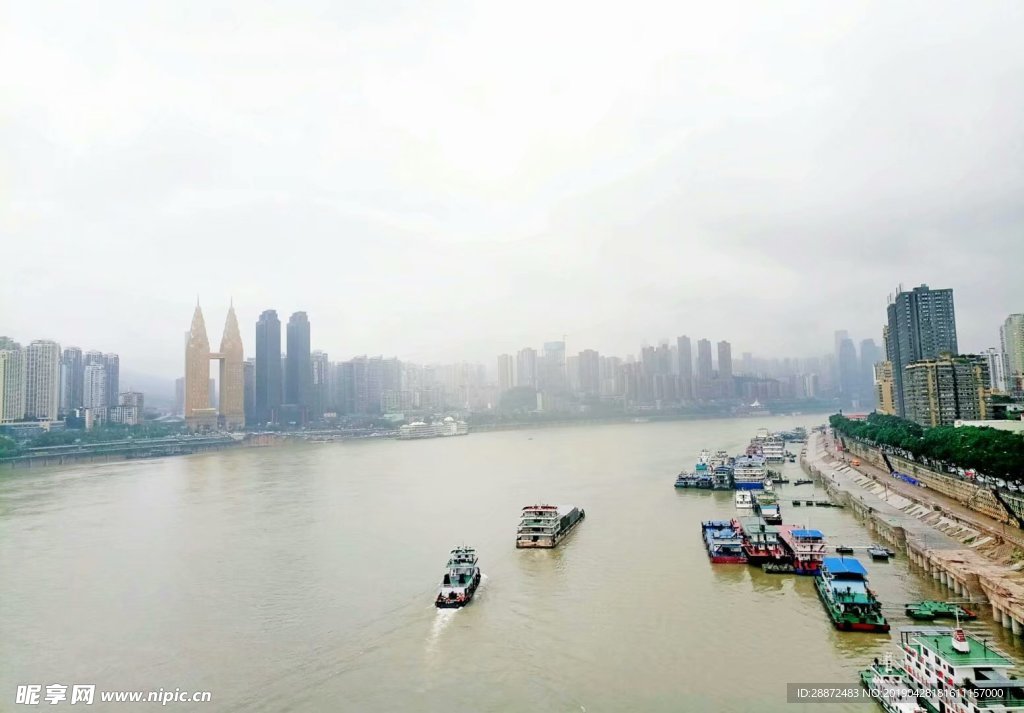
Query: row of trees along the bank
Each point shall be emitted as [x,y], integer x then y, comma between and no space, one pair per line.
[989,451]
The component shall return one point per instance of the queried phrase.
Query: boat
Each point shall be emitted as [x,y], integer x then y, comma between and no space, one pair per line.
[843,589]
[804,481]
[721,477]
[723,542]
[780,480]
[766,505]
[460,581]
[438,429]
[844,550]
[879,553]
[959,670]
[702,471]
[929,610]
[749,472]
[760,541]
[891,687]
[804,547]
[547,525]
[743,500]
[686,480]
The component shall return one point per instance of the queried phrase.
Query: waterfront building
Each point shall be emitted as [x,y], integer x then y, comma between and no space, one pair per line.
[941,391]
[1011,338]
[94,390]
[506,376]
[198,412]
[42,380]
[299,369]
[526,368]
[885,389]
[590,373]
[12,381]
[922,326]
[268,367]
[72,377]
[125,415]
[684,354]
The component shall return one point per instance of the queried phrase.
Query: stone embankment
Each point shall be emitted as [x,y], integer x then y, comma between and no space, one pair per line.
[973,555]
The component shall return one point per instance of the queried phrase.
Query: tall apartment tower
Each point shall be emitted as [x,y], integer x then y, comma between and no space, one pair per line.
[684,353]
[299,372]
[200,411]
[94,390]
[705,368]
[725,368]
[232,380]
[112,362]
[506,375]
[922,325]
[268,367]
[197,373]
[12,381]
[1011,339]
[526,368]
[589,364]
[940,391]
[42,380]
[72,377]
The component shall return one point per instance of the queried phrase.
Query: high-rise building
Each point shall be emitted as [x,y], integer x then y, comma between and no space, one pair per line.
[885,388]
[12,381]
[299,372]
[94,390]
[684,354]
[996,369]
[849,372]
[506,376]
[922,326]
[129,409]
[232,380]
[589,362]
[1011,341]
[940,391]
[198,412]
[112,363]
[870,354]
[42,380]
[72,376]
[526,368]
[319,388]
[202,401]
[552,375]
[268,367]
[249,387]
[705,370]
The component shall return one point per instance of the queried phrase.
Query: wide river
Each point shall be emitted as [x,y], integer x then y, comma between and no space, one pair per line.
[302,578]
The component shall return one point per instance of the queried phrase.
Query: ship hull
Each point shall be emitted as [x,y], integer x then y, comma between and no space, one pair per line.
[456,603]
[844,622]
[749,486]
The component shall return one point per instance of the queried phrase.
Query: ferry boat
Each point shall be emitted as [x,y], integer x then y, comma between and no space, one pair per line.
[702,470]
[721,458]
[721,477]
[891,687]
[966,673]
[773,448]
[843,589]
[418,429]
[749,472]
[722,541]
[686,480]
[766,505]
[460,581]
[804,547]
[760,541]
[743,500]
[547,525]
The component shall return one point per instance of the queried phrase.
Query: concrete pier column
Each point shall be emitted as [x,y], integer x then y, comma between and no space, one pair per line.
[1016,626]
[935,573]
[943,579]
[996,614]
[1006,620]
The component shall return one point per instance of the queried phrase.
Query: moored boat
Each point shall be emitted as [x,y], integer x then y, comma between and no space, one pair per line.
[805,548]
[843,589]
[760,541]
[891,687]
[460,581]
[723,542]
[803,481]
[545,526]
[749,472]
[878,552]
[743,500]
[686,480]
[766,505]
[929,610]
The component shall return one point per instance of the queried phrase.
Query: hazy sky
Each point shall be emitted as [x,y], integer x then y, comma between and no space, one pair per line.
[442,181]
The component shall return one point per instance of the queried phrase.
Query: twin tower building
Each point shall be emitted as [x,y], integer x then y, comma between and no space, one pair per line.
[199,414]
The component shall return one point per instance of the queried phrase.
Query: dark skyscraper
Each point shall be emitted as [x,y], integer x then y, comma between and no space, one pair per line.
[298,385]
[113,365]
[268,367]
[685,356]
[72,379]
[725,368]
[922,325]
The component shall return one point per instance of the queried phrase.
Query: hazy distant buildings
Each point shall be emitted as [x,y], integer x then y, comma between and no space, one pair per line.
[506,373]
[42,380]
[589,364]
[268,367]
[552,375]
[320,371]
[941,391]
[726,386]
[684,355]
[850,379]
[526,368]
[299,370]
[870,355]
[922,325]
[705,370]
[249,391]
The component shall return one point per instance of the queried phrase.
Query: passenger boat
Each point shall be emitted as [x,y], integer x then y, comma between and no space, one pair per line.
[722,541]
[749,472]
[743,500]
[686,480]
[960,671]
[460,581]
[418,429]
[760,541]
[850,604]
[547,525]
[767,506]
[891,687]
[930,610]
[702,471]
[721,478]
[804,547]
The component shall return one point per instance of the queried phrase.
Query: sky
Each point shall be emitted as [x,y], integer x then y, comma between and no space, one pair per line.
[450,181]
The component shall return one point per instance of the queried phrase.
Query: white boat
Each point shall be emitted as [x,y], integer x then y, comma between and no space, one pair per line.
[749,472]
[743,500]
[448,427]
[547,525]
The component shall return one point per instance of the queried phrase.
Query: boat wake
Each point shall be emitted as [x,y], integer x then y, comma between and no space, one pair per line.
[442,619]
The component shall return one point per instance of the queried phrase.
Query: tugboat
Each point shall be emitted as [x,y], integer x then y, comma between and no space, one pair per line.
[460,581]
[851,605]
[547,525]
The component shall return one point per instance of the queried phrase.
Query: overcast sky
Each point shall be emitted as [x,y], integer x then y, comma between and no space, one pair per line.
[445,181]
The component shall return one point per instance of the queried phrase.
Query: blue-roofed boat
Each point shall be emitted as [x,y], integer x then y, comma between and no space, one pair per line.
[749,472]
[805,548]
[843,589]
[723,541]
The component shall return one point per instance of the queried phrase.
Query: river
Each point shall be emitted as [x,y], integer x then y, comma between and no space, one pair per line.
[302,578]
